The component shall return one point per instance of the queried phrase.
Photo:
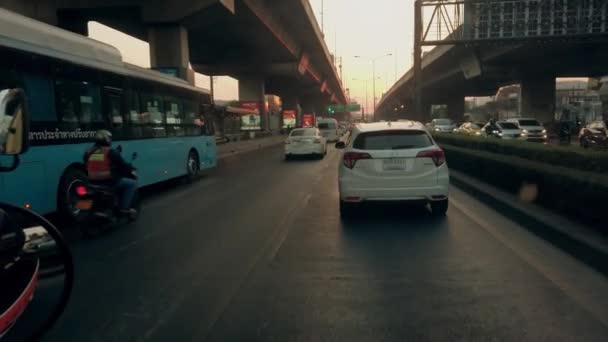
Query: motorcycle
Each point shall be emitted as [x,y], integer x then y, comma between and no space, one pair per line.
[99,203]
[36,265]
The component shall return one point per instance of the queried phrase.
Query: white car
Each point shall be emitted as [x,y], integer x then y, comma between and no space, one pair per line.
[392,161]
[443,125]
[329,129]
[305,141]
[531,129]
[502,130]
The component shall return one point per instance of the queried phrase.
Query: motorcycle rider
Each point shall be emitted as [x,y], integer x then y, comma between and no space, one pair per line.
[491,127]
[105,165]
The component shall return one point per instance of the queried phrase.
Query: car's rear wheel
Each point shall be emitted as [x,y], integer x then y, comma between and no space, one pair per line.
[585,142]
[287,157]
[439,208]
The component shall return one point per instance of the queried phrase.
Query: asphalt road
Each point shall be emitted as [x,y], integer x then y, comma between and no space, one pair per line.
[256,251]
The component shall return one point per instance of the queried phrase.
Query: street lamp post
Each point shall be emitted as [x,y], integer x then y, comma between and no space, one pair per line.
[366,102]
[373,60]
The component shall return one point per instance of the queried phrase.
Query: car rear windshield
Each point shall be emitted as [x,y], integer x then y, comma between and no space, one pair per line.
[303,132]
[326,125]
[508,125]
[392,140]
[529,123]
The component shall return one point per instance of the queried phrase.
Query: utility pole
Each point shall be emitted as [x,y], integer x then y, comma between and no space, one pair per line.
[418,59]
[322,19]
[395,66]
[211,89]
[373,60]
[374,85]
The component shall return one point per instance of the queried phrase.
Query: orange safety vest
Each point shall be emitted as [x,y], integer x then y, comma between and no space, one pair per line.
[99,165]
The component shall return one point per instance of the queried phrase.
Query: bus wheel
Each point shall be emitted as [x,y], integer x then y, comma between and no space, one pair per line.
[192,166]
[67,196]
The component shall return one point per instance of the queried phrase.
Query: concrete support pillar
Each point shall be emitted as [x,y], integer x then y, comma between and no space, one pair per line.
[308,106]
[456,107]
[537,98]
[169,50]
[603,93]
[252,89]
[424,116]
[291,102]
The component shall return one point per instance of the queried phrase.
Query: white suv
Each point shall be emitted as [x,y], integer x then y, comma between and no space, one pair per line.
[392,161]
[531,129]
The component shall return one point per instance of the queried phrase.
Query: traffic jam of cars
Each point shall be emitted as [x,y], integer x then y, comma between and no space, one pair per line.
[591,135]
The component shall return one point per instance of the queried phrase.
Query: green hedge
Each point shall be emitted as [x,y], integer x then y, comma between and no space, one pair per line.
[581,195]
[573,157]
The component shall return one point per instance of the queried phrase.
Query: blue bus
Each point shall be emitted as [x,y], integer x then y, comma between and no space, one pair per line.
[75,86]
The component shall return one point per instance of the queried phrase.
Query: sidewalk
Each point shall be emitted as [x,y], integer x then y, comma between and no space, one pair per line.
[583,242]
[236,147]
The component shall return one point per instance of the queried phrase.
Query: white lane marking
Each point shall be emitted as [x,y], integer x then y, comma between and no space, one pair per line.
[272,245]
[582,286]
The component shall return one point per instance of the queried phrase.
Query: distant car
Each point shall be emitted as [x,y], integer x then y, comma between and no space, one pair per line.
[392,161]
[305,141]
[594,134]
[442,125]
[469,128]
[531,129]
[329,129]
[502,130]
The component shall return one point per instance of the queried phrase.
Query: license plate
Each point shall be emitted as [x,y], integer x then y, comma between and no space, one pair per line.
[84,204]
[394,164]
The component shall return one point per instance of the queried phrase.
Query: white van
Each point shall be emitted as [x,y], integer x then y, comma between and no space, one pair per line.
[329,129]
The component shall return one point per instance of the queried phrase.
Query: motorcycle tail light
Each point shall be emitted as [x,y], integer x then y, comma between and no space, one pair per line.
[81,190]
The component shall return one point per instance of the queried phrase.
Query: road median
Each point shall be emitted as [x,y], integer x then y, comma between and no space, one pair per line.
[585,243]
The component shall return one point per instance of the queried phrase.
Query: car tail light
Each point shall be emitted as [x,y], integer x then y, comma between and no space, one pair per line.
[437,155]
[81,190]
[287,142]
[350,158]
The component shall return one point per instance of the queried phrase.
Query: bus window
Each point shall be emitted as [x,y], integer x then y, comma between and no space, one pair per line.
[190,116]
[153,114]
[78,101]
[113,112]
[42,109]
[175,119]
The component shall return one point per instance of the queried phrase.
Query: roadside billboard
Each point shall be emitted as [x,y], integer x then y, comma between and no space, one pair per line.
[308,120]
[289,118]
[251,120]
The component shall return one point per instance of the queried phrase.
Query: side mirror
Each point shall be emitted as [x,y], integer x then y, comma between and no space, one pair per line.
[14,122]
[119,148]
[340,145]
[134,156]
[37,272]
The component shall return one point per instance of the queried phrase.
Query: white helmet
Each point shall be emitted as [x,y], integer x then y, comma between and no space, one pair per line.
[103,138]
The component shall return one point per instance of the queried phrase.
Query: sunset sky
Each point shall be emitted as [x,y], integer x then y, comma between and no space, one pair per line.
[365,28]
